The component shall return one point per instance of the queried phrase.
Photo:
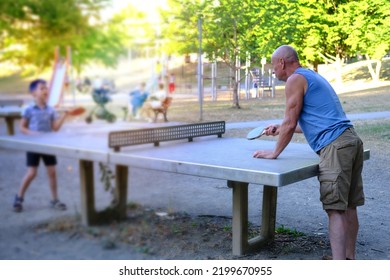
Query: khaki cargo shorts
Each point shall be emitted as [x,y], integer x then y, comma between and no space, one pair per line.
[340,168]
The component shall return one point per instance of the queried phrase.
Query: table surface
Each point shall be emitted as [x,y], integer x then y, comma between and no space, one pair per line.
[10,111]
[213,157]
[220,158]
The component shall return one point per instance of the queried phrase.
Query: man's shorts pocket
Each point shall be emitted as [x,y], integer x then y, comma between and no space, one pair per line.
[329,191]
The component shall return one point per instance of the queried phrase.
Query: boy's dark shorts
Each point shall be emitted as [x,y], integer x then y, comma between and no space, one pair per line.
[341,164]
[33,159]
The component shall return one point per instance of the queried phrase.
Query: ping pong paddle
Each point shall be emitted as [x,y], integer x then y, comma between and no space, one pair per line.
[257,133]
[76,111]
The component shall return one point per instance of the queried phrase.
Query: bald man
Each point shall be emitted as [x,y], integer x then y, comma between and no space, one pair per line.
[313,108]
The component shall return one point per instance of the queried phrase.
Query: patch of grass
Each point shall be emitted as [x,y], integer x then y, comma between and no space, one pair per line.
[132,205]
[378,130]
[14,84]
[227,228]
[283,230]
[369,100]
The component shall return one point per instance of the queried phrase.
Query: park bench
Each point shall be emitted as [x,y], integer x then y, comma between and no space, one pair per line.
[163,109]
[118,139]
[10,109]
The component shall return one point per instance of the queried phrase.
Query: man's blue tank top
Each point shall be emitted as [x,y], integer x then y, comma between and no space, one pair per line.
[322,118]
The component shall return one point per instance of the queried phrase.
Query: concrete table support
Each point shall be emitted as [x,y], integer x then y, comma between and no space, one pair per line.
[10,115]
[121,180]
[241,242]
[88,213]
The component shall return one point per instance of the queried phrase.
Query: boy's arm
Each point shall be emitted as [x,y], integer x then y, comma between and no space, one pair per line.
[57,123]
[23,127]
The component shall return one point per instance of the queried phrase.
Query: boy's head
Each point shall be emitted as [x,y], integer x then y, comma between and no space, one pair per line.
[38,88]
[34,84]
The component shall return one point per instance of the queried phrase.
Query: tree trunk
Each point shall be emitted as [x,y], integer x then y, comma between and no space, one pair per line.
[236,102]
[375,74]
[339,67]
[378,69]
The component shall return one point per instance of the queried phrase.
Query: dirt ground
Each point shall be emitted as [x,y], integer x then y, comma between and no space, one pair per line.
[190,219]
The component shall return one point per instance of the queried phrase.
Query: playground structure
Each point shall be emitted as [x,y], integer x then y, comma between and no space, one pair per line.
[60,80]
[255,81]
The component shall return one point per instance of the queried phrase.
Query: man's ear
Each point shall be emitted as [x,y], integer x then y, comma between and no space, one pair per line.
[283,63]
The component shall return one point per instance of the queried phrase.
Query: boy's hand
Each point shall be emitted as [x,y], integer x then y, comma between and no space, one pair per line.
[75,111]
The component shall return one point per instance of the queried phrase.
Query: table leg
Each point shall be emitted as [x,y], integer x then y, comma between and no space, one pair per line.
[10,125]
[240,217]
[270,195]
[241,243]
[121,179]
[88,213]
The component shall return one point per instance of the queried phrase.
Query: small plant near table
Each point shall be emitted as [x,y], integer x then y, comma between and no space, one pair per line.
[288,231]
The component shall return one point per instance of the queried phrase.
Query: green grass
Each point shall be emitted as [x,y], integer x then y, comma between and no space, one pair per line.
[368,100]
[14,84]
[374,130]
[284,230]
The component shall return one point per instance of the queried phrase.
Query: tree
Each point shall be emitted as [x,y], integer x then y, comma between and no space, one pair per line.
[179,25]
[30,30]
[226,33]
[336,30]
[326,30]
[226,25]
[369,31]
[232,29]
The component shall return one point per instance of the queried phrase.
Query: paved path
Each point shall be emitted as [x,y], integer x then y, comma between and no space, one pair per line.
[236,125]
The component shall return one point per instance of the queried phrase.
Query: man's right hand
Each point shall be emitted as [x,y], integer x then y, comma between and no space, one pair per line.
[272,130]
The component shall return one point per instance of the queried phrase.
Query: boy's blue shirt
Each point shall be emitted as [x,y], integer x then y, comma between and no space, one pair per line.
[40,119]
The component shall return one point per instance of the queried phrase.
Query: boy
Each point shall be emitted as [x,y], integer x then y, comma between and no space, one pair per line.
[36,119]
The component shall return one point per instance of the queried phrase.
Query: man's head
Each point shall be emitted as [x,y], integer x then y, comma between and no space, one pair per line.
[38,88]
[284,62]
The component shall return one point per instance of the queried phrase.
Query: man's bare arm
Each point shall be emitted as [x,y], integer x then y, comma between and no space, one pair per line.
[295,88]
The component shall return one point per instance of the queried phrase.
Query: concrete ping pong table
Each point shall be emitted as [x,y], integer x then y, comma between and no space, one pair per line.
[222,158]
[10,109]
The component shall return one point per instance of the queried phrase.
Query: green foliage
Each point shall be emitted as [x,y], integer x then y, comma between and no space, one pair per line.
[346,28]
[30,30]
[289,231]
[106,177]
[324,30]
[180,25]
[317,29]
